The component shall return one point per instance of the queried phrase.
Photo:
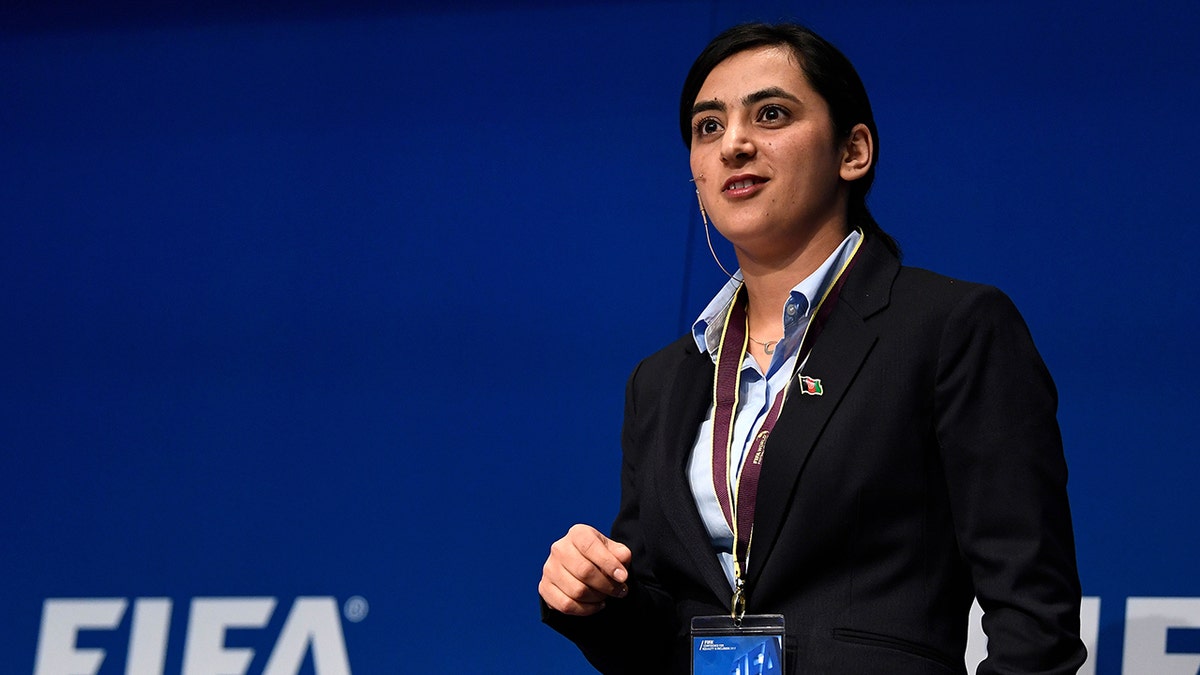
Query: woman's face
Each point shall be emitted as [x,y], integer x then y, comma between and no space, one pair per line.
[764,156]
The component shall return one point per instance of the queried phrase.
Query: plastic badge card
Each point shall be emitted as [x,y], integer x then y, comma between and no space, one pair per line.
[719,647]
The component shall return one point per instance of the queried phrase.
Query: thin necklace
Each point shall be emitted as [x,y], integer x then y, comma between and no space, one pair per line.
[768,346]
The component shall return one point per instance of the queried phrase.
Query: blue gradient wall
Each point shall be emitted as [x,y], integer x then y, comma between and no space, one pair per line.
[335,305]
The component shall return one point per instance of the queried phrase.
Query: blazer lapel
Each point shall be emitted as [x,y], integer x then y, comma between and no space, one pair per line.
[836,358]
[689,398]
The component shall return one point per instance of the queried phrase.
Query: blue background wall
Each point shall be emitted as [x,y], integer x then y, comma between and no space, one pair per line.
[340,300]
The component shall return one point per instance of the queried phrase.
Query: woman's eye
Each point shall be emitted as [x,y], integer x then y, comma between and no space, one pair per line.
[707,126]
[772,113]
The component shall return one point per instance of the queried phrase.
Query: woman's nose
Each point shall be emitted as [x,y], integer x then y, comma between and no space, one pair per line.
[738,144]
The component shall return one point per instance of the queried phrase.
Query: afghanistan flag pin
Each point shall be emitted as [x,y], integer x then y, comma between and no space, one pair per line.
[810,385]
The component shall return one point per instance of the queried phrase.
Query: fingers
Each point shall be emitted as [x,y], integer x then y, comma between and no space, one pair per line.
[608,556]
[584,569]
[561,601]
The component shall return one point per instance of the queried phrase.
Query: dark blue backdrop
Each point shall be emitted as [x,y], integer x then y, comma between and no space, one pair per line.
[340,301]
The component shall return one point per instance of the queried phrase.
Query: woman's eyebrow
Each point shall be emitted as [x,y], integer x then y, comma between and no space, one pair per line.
[769,92]
[747,100]
[705,106]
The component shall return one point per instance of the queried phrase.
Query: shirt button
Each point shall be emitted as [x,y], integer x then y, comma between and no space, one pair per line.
[791,310]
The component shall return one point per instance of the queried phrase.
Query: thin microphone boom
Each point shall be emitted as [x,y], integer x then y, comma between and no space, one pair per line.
[707,234]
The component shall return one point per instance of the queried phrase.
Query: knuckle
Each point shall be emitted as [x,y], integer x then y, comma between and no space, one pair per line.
[581,570]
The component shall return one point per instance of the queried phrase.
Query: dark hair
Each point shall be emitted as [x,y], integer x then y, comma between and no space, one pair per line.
[828,72]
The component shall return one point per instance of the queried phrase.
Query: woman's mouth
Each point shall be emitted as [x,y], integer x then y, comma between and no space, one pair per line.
[738,185]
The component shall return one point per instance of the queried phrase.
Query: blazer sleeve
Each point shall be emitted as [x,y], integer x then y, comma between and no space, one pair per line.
[998,434]
[634,634]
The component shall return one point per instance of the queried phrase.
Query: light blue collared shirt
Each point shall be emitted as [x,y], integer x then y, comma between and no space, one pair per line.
[757,390]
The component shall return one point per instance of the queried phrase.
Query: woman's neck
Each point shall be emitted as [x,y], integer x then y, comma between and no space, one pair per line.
[769,282]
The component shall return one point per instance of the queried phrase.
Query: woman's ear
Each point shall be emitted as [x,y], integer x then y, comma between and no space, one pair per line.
[858,153]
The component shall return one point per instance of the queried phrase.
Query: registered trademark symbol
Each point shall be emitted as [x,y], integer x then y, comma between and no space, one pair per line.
[356,609]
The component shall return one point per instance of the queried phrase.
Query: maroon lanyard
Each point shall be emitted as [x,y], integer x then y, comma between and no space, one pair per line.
[726,388]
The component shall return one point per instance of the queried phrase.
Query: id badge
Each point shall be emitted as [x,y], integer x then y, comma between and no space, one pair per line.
[719,647]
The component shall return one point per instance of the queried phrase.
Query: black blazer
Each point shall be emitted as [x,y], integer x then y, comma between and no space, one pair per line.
[929,472]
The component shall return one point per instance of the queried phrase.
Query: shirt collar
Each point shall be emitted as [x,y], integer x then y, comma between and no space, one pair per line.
[707,328]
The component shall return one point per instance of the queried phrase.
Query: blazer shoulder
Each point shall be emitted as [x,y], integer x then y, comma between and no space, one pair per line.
[940,293]
[669,358]
[677,368]
[925,307]
[937,284]
[880,282]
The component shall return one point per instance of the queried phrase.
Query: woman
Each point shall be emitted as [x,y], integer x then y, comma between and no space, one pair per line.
[914,461]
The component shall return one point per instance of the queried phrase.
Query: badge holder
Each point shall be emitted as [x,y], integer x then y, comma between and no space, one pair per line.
[753,645]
